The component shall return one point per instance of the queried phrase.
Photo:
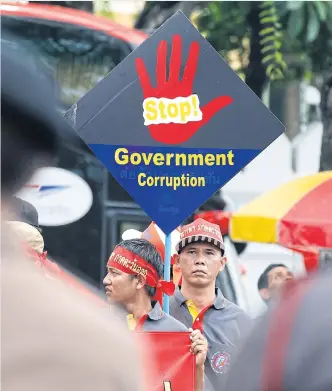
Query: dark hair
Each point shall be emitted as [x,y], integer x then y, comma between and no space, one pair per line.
[149,253]
[263,281]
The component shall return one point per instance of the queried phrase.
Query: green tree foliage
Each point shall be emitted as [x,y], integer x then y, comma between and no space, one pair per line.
[296,33]
[308,32]
[225,25]
[299,30]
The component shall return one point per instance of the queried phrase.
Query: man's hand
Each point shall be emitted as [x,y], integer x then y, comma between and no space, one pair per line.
[173,86]
[199,347]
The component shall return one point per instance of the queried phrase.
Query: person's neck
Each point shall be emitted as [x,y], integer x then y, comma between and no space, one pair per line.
[140,306]
[201,296]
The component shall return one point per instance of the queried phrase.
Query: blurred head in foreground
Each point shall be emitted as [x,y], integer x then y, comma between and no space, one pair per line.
[24,222]
[32,128]
[272,280]
[68,340]
[290,348]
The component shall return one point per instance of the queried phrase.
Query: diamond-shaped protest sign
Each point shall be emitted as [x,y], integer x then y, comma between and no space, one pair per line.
[173,122]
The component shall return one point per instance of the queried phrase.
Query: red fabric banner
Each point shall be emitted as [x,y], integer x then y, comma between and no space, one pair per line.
[173,364]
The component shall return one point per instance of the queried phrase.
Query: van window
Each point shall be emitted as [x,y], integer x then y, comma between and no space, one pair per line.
[77,57]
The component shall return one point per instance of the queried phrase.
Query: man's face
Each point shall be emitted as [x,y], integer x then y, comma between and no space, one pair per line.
[277,278]
[200,263]
[120,287]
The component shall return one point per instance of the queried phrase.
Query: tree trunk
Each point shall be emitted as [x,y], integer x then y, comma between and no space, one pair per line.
[326,108]
[255,72]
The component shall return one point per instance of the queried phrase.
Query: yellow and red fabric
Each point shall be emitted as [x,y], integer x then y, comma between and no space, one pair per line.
[296,214]
[310,256]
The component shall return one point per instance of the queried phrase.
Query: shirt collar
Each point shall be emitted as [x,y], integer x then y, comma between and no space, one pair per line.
[156,313]
[219,302]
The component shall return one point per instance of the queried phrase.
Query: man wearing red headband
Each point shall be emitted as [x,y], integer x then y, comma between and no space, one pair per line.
[134,272]
[198,304]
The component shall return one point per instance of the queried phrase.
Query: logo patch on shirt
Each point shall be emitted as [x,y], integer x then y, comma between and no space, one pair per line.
[220,361]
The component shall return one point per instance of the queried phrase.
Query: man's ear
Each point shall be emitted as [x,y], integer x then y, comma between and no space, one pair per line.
[264,294]
[140,281]
[223,261]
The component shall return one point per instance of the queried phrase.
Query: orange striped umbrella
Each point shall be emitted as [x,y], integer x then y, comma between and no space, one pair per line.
[299,213]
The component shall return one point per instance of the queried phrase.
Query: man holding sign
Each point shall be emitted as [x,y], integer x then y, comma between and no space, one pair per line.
[203,307]
[173,123]
[134,272]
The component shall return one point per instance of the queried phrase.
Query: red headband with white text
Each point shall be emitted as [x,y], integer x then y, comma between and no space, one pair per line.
[130,263]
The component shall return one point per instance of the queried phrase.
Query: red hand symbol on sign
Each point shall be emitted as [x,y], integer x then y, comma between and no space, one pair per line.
[174,133]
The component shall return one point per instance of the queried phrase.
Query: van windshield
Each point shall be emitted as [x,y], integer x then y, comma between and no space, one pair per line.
[77,57]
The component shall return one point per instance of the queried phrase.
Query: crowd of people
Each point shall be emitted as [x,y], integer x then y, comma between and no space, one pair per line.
[55,338]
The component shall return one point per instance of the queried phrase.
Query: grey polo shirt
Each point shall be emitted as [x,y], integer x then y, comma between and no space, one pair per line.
[223,324]
[158,320]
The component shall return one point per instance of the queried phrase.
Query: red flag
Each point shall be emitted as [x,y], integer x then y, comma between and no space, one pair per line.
[174,364]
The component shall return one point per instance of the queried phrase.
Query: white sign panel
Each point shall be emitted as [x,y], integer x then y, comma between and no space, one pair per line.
[60,196]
